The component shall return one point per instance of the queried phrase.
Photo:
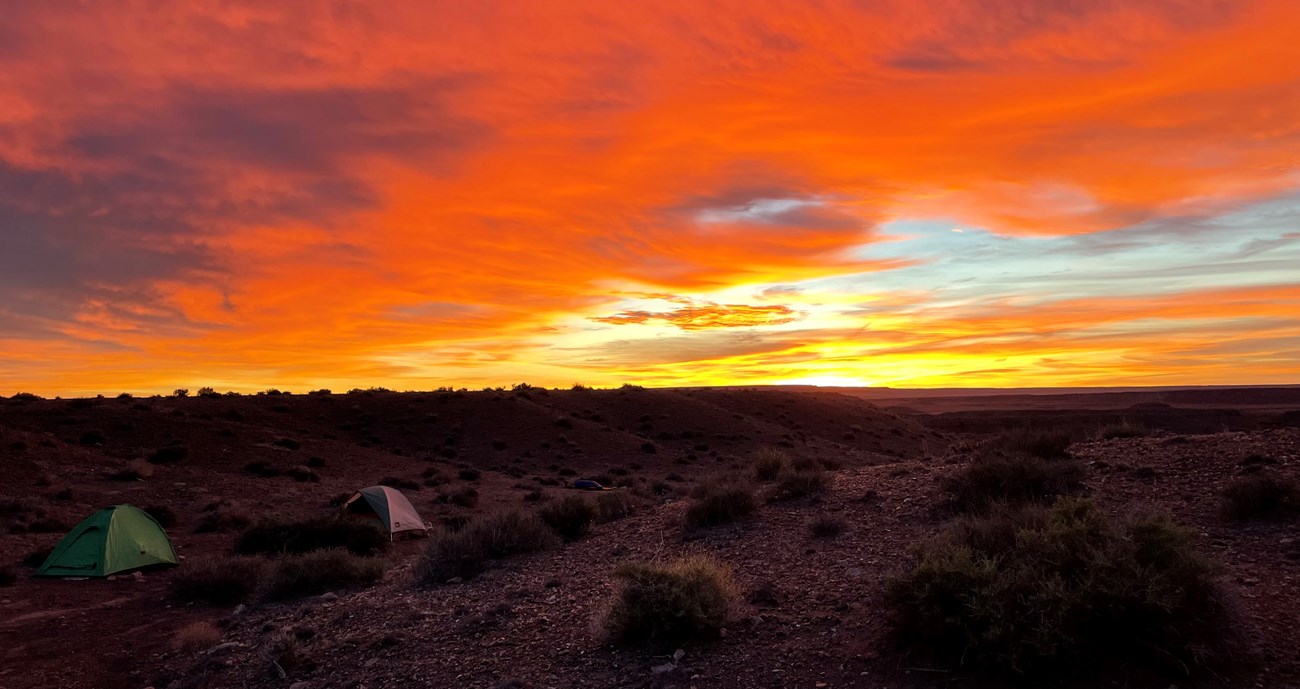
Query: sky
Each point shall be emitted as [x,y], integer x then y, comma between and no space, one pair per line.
[305,195]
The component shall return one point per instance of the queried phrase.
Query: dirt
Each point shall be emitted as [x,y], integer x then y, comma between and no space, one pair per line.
[812,615]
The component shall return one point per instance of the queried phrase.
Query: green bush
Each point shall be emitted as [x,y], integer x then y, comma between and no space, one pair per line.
[670,603]
[1045,592]
[217,580]
[720,502]
[768,463]
[1262,496]
[360,537]
[571,517]
[317,572]
[467,551]
[1015,479]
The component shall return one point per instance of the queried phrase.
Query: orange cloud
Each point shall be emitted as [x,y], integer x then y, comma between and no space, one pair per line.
[411,195]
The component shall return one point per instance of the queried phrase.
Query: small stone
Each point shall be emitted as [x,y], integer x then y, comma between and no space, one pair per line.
[455,580]
[300,685]
[678,655]
[239,610]
[662,669]
[756,620]
[137,575]
[855,572]
[819,685]
[371,662]
[222,648]
[329,595]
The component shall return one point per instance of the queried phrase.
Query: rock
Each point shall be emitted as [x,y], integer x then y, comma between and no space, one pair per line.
[137,575]
[371,662]
[329,595]
[455,580]
[223,648]
[239,610]
[756,620]
[300,685]
[678,655]
[663,669]
[855,572]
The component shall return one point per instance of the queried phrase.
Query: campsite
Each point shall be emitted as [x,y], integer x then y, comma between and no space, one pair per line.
[246,485]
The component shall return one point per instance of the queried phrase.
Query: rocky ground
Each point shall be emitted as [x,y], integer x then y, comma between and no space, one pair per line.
[812,614]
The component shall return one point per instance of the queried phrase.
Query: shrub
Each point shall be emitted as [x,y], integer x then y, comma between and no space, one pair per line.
[217,580]
[571,517]
[720,502]
[768,463]
[1044,592]
[285,656]
[1123,429]
[261,467]
[1035,442]
[670,603]
[398,482]
[357,536]
[8,575]
[162,514]
[466,497]
[223,516]
[615,505]
[172,454]
[135,470]
[1264,495]
[317,572]
[827,526]
[467,552]
[469,474]
[304,474]
[196,635]
[801,483]
[208,392]
[1016,479]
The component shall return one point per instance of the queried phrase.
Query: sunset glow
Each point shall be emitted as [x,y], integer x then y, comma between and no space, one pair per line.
[1006,193]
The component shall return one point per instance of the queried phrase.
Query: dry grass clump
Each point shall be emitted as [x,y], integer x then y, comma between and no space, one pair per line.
[721,501]
[570,518]
[360,537]
[768,463]
[466,552]
[223,515]
[196,636]
[615,505]
[1262,496]
[1034,442]
[171,454]
[670,603]
[826,525]
[217,581]
[1015,479]
[1044,592]
[801,480]
[1123,429]
[135,470]
[319,571]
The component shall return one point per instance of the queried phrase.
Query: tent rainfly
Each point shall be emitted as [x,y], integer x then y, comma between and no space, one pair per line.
[115,539]
[388,505]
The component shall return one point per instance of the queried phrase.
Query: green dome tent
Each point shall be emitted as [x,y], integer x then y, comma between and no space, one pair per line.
[388,505]
[114,539]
